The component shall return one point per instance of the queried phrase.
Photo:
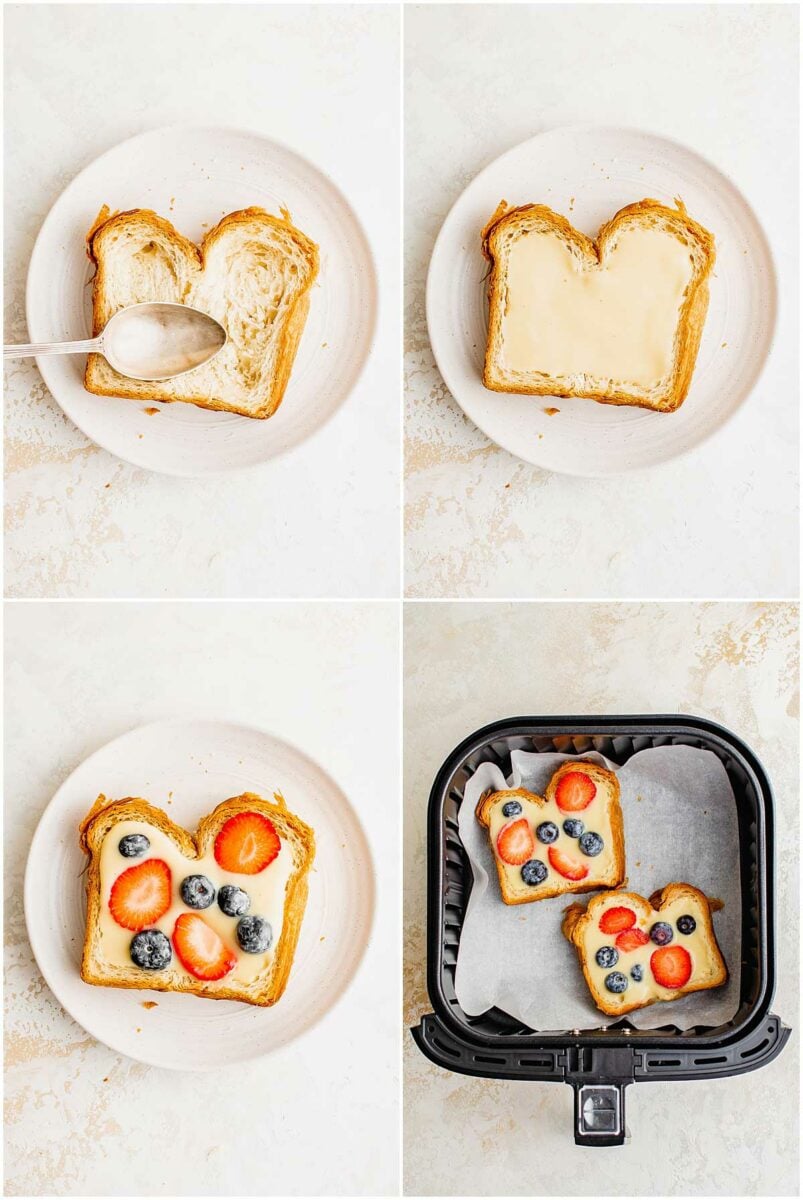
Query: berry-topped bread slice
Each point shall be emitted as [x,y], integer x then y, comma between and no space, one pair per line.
[634,952]
[569,840]
[217,914]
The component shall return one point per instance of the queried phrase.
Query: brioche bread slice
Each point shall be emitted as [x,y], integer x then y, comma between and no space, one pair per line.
[253,272]
[635,952]
[616,319]
[276,892]
[570,840]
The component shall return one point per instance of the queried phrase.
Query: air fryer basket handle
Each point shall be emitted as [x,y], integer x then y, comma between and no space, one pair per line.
[598,1075]
[599,1114]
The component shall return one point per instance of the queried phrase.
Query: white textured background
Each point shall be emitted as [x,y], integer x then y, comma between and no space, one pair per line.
[323,520]
[469,664]
[319,1117]
[479,80]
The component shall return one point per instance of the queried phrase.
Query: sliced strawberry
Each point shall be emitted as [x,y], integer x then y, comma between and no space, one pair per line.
[141,895]
[515,843]
[671,967]
[201,950]
[565,865]
[574,792]
[246,844]
[631,939]
[614,920]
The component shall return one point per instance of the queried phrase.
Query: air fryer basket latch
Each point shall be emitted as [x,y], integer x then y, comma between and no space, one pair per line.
[598,1078]
[599,1114]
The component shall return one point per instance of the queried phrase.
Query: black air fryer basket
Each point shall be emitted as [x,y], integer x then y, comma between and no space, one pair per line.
[599,1064]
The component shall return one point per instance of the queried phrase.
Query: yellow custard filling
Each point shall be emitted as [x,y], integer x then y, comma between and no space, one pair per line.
[266,891]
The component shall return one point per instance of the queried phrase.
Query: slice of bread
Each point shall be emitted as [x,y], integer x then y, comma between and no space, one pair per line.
[518,822]
[641,967]
[277,892]
[253,272]
[616,319]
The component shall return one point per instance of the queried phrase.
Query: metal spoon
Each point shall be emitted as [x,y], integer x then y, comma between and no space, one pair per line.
[153,341]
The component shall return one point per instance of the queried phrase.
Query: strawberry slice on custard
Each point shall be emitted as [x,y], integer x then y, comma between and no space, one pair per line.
[631,939]
[565,865]
[575,791]
[141,895]
[515,843]
[246,844]
[614,920]
[201,950]
[671,967]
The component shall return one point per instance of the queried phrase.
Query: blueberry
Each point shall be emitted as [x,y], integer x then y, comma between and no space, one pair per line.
[233,900]
[197,891]
[661,933]
[254,934]
[616,982]
[511,809]
[547,832]
[607,956]
[573,827]
[534,872]
[134,845]
[686,924]
[591,844]
[150,950]
[637,973]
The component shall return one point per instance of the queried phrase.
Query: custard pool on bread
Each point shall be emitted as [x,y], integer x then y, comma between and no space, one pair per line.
[253,272]
[569,840]
[635,952]
[616,319]
[217,914]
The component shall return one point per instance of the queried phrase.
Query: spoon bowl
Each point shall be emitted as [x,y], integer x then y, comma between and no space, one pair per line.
[151,342]
[157,340]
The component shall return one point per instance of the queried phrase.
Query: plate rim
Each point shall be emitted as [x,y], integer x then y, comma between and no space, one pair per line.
[630,130]
[374,307]
[28,905]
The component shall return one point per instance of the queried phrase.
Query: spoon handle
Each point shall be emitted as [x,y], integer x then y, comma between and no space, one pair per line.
[36,348]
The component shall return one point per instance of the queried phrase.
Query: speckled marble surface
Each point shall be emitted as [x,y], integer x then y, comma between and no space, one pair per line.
[483,78]
[468,664]
[319,1117]
[317,522]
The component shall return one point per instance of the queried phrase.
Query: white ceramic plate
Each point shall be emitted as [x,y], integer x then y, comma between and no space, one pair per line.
[196,764]
[588,173]
[193,176]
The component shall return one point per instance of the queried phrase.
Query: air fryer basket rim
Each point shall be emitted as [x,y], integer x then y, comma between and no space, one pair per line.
[609,725]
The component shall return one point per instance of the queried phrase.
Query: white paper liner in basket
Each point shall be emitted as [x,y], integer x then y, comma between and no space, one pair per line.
[680,826]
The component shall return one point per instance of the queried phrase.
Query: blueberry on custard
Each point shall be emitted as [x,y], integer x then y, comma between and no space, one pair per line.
[254,935]
[233,901]
[607,956]
[547,832]
[591,844]
[197,891]
[573,827]
[134,845]
[511,809]
[661,933]
[534,872]
[150,950]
